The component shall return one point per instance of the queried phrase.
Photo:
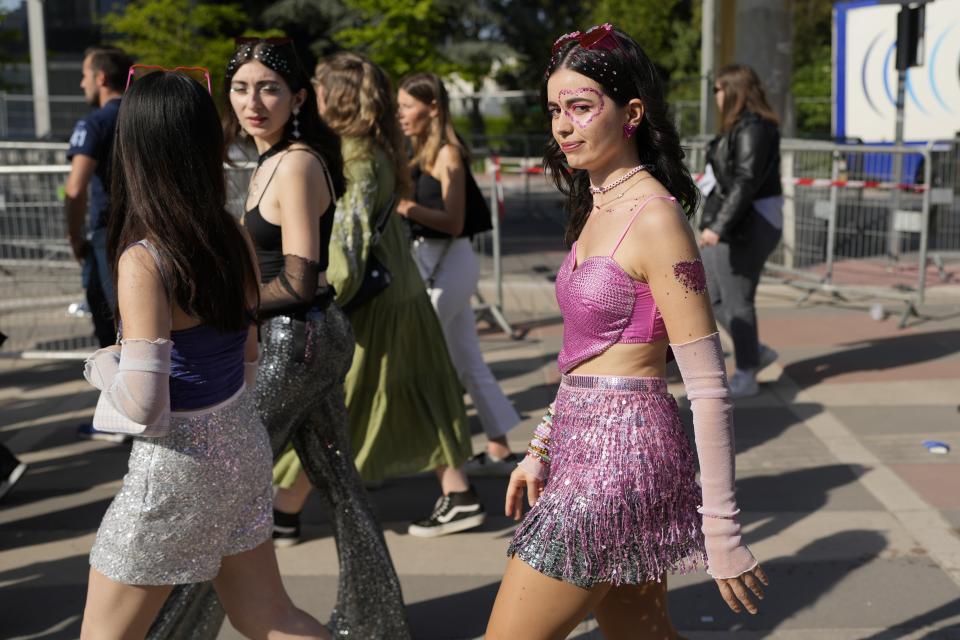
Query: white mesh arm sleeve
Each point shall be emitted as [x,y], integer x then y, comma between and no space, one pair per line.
[136,381]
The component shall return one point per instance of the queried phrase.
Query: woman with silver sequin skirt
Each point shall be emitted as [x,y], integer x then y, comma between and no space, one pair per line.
[195,503]
[307,342]
[610,474]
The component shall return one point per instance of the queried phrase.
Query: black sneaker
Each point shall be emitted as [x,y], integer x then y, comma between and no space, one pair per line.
[10,471]
[286,529]
[483,464]
[452,512]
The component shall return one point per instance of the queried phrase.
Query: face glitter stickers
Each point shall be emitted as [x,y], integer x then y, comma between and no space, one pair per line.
[582,114]
[691,276]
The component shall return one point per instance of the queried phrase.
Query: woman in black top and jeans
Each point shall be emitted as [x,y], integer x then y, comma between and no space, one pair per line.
[743,215]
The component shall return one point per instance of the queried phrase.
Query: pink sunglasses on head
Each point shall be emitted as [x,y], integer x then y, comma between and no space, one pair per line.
[199,74]
[601,36]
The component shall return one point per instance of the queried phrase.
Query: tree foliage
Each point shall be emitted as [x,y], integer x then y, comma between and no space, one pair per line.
[174,33]
[402,36]
[812,66]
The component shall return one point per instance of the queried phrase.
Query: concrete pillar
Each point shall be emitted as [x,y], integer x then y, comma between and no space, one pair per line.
[764,40]
[708,50]
[38,68]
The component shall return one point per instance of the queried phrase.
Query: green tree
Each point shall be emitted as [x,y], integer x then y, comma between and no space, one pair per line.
[812,67]
[668,31]
[402,36]
[311,23]
[174,33]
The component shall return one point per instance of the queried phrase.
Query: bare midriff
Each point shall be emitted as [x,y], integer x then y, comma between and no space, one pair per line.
[643,360]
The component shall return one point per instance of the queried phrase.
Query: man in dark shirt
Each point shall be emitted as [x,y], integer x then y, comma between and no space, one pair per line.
[91,145]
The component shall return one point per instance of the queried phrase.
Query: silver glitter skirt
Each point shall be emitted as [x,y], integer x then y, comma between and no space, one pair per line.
[190,498]
[620,502]
[300,400]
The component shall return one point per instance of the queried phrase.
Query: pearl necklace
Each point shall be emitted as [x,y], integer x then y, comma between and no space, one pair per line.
[616,183]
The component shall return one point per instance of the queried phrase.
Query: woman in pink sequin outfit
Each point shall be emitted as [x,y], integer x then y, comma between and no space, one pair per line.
[610,473]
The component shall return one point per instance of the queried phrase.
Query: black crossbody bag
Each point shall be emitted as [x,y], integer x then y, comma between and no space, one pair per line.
[376,276]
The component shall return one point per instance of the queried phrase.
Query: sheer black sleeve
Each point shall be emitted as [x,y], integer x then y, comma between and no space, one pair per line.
[292,290]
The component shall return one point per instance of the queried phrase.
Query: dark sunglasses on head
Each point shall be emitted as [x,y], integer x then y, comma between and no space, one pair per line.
[198,74]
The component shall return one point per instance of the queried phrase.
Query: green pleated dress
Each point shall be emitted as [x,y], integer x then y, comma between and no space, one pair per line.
[404,399]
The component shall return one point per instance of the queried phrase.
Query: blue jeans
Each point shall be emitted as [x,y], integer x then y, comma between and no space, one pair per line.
[98,282]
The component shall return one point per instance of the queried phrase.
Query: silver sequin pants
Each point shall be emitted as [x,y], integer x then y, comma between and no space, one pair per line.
[189,498]
[300,398]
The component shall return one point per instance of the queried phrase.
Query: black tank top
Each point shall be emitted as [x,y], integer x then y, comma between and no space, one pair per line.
[267,237]
[428,193]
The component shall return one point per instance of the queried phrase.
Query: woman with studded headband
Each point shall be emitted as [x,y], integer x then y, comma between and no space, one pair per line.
[307,342]
[610,474]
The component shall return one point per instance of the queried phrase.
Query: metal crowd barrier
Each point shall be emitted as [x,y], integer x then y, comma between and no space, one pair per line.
[852,227]
[42,302]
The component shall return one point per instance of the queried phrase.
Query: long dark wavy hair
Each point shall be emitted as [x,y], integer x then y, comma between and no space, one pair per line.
[282,59]
[624,73]
[168,187]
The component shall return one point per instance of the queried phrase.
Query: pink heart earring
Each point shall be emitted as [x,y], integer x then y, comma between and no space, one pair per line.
[628,130]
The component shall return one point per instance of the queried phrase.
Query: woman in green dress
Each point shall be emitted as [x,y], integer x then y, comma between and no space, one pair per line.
[404,400]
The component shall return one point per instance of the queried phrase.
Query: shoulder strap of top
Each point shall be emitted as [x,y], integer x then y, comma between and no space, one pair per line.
[326,172]
[269,180]
[634,217]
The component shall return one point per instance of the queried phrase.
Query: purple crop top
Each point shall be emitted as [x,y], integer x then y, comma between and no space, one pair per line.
[602,306]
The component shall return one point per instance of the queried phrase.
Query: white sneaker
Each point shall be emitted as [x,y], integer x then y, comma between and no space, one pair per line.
[743,385]
[767,357]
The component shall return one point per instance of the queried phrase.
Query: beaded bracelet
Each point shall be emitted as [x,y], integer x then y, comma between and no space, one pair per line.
[540,444]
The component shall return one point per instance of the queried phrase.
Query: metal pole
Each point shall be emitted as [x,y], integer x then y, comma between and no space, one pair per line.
[707,50]
[495,222]
[832,223]
[893,236]
[38,68]
[925,219]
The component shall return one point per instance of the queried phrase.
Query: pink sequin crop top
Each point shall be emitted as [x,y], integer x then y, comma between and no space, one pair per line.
[602,306]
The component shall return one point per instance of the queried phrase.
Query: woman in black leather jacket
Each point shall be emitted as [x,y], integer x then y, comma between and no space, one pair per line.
[743,215]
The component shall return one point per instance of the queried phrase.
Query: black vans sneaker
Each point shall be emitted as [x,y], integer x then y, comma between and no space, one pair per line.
[456,511]
[286,529]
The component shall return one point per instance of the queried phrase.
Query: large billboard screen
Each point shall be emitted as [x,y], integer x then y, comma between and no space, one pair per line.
[865,74]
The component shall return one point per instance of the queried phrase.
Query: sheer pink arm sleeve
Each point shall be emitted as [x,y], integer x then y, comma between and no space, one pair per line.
[136,381]
[705,378]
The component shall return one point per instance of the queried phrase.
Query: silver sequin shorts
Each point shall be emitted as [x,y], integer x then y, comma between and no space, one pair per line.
[190,498]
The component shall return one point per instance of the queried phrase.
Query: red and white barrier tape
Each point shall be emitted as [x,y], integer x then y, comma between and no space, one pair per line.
[799,182]
[845,184]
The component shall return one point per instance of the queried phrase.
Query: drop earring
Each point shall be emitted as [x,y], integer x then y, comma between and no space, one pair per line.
[296,124]
[628,130]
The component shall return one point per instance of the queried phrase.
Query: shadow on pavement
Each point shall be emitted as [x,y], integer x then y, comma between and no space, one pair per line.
[931,617]
[458,615]
[33,609]
[795,585]
[875,355]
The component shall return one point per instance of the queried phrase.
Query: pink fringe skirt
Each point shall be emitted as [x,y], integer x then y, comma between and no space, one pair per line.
[620,503]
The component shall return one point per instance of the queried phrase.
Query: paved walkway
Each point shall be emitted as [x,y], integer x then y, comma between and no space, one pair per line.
[856,524]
